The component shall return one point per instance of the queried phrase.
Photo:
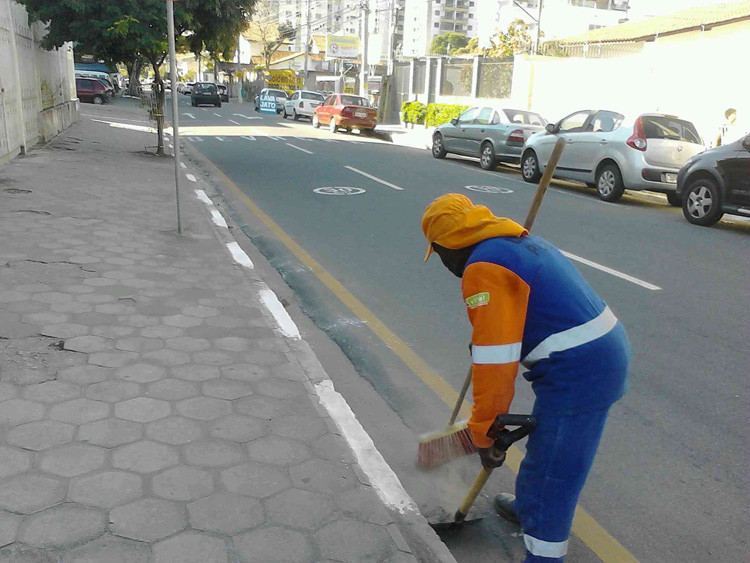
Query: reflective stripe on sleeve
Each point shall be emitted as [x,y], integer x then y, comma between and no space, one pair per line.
[576,336]
[500,354]
[542,548]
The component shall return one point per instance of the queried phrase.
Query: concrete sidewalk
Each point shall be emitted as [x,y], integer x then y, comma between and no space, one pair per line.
[419,137]
[156,403]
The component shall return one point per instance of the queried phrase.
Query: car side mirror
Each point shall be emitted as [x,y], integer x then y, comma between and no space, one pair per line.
[551,128]
[454,121]
[746,142]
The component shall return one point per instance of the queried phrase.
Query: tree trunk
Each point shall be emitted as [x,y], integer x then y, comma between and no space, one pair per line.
[134,77]
[158,86]
[216,70]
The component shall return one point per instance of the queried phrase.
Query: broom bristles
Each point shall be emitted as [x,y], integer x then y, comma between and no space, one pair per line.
[440,447]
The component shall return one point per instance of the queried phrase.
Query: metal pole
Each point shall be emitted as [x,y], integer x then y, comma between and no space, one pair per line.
[365,11]
[307,43]
[539,28]
[175,110]
[389,55]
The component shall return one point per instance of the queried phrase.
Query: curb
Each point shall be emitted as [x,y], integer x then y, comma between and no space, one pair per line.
[410,530]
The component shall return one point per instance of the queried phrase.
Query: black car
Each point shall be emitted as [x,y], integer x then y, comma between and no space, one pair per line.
[223,92]
[715,182]
[205,93]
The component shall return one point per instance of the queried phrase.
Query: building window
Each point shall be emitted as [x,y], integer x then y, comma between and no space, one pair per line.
[437,24]
[437,12]
[471,16]
[459,27]
[470,28]
[593,26]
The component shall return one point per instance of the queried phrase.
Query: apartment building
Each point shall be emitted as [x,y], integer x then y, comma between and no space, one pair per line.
[425,19]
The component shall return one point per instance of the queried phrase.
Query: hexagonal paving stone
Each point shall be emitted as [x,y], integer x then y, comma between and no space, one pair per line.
[168,357]
[237,428]
[106,549]
[213,454]
[144,457]
[273,545]
[204,408]
[84,375]
[245,372]
[112,331]
[280,388]
[112,359]
[187,344]
[232,344]
[254,479]
[265,357]
[113,391]
[8,391]
[51,392]
[333,448]
[363,503]
[105,489]
[110,432]
[182,321]
[191,547]
[141,373]
[262,407]
[172,389]
[13,461]
[9,526]
[147,519]
[225,513]
[174,430]
[18,411]
[142,409]
[28,493]
[72,460]
[278,451]
[353,541]
[226,389]
[62,525]
[64,330]
[214,358]
[299,427]
[182,483]
[79,411]
[139,344]
[40,435]
[200,311]
[86,344]
[299,509]
[162,332]
[196,372]
[324,476]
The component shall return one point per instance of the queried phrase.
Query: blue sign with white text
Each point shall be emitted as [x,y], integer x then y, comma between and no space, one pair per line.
[267,103]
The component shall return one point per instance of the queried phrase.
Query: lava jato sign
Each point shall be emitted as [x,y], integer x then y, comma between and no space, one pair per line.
[267,103]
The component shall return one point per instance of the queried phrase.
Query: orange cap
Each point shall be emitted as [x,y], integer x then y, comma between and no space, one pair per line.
[454,222]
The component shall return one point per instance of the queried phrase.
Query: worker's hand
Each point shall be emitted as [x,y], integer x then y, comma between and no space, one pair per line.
[491,457]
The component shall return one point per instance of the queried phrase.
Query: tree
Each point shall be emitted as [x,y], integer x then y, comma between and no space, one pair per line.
[471,48]
[265,29]
[446,43]
[506,44]
[130,31]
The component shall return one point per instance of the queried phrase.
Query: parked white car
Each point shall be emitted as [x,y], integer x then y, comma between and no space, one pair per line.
[302,103]
[613,153]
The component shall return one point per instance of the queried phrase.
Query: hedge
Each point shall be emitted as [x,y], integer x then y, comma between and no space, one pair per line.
[437,114]
[414,112]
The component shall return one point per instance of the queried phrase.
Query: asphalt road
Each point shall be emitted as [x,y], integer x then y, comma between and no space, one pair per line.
[670,482]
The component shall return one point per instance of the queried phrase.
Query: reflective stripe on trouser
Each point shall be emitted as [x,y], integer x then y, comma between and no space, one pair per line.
[559,455]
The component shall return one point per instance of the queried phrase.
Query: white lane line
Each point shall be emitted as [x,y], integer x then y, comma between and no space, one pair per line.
[219,139]
[218,219]
[235,122]
[612,271]
[383,479]
[190,115]
[275,138]
[201,195]
[239,255]
[375,178]
[204,109]
[246,116]
[299,148]
[274,306]
[248,137]
[182,164]
[190,177]
[217,114]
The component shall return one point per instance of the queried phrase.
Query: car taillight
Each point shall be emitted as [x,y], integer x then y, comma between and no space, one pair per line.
[347,112]
[638,139]
[516,137]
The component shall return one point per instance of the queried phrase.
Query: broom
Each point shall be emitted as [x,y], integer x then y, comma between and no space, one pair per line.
[440,447]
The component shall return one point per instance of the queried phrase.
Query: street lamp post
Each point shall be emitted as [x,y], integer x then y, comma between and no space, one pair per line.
[175,111]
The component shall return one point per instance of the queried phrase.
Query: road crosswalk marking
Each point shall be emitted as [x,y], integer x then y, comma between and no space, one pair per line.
[248,137]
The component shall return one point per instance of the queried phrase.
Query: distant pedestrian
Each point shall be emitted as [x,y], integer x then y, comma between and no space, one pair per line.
[727,132]
[528,303]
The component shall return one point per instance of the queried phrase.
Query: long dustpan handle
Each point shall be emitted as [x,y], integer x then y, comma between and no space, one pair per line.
[476,487]
[460,399]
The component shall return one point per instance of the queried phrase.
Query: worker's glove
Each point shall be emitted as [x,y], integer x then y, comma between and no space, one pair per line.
[491,457]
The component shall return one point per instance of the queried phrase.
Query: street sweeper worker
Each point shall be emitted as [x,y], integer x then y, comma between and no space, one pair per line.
[527,303]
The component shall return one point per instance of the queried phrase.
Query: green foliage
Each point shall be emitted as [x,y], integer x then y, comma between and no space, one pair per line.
[415,112]
[471,48]
[506,44]
[405,107]
[441,43]
[437,114]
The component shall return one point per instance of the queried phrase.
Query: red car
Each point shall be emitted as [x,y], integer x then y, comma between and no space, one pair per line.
[91,90]
[346,111]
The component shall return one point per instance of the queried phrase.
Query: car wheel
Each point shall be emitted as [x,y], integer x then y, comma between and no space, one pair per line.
[438,146]
[315,121]
[487,159]
[701,204]
[98,100]
[673,199]
[609,183]
[332,125]
[295,116]
[218,105]
[530,167]
[284,114]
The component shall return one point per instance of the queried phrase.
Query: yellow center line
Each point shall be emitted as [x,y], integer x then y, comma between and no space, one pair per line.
[606,547]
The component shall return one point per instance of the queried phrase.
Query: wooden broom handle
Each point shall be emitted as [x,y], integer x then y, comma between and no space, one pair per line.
[544,183]
[460,399]
[476,487]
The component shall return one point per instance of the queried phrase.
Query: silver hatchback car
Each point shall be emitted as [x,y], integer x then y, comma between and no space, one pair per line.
[490,134]
[612,153]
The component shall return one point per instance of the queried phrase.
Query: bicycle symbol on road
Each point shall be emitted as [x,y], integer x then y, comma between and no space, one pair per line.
[489,189]
[339,190]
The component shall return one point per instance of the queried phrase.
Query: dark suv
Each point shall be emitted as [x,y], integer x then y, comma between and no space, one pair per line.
[205,93]
[715,182]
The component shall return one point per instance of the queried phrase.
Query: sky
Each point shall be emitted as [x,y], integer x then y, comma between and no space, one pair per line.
[640,9]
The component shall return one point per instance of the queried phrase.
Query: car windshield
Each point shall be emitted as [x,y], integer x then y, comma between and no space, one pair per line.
[524,117]
[277,93]
[663,127]
[312,96]
[207,88]
[354,101]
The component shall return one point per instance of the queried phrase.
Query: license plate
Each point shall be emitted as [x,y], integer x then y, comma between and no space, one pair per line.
[360,114]
[670,178]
